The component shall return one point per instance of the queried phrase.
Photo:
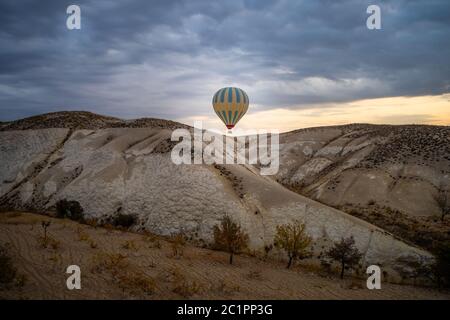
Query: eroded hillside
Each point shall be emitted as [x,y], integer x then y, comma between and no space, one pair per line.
[111,168]
[393,176]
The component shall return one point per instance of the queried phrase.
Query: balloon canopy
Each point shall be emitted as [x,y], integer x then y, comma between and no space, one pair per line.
[230,105]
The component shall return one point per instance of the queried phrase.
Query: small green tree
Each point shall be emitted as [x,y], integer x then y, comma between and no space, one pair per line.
[346,253]
[230,237]
[293,239]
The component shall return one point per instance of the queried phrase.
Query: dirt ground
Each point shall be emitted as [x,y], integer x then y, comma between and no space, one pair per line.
[124,265]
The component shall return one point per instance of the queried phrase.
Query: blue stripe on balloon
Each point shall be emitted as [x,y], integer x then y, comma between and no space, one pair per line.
[230,95]
[229,116]
[222,95]
[224,116]
[235,116]
[238,96]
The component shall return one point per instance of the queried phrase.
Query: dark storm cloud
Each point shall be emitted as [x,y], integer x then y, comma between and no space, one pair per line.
[167,58]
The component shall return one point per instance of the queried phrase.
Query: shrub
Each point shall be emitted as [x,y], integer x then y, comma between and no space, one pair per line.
[112,262]
[267,249]
[444,204]
[124,220]
[177,243]
[45,225]
[182,286]
[136,283]
[82,236]
[293,239]
[228,236]
[69,209]
[93,244]
[187,288]
[254,275]
[48,241]
[346,253]
[129,245]
[227,287]
[7,270]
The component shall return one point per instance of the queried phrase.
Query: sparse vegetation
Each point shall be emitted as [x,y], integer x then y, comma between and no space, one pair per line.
[293,239]
[227,287]
[82,236]
[413,268]
[69,209]
[121,274]
[444,203]
[129,245]
[125,275]
[425,232]
[187,288]
[182,286]
[93,244]
[177,244]
[230,237]
[124,220]
[152,240]
[267,250]
[45,225]
[254,275]
[136,283]
[112,262]
[346,253]
[46,240]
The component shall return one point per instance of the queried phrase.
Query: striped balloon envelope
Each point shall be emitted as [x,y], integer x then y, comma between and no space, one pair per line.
[230,105]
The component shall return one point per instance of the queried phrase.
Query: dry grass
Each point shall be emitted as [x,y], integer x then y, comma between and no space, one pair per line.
[82,235]
[136,283]
[48,242]
[254,275]
[117,273]
[177,243]
[182,286]
[93,244]
[227,287]
[112,262]
[124,274]
[130,245]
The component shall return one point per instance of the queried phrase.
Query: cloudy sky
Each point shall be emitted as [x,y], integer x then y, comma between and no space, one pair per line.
[302,63]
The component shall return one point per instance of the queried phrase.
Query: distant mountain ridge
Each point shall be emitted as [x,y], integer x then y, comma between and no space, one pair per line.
[78,120]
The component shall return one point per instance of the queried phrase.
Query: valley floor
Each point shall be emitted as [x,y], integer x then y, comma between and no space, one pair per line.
[124,265]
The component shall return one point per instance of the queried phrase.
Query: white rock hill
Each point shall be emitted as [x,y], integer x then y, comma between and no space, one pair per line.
[129,170]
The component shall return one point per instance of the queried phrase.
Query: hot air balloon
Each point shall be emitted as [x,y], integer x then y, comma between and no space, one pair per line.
[230,105]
